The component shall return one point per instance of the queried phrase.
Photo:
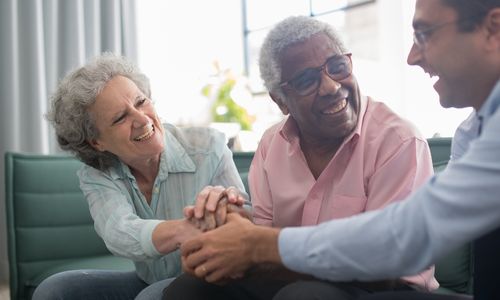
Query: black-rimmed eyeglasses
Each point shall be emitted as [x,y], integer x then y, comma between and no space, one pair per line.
[337,67]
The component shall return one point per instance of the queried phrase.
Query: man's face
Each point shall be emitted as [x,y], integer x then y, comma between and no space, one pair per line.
[454,58]
[331,111]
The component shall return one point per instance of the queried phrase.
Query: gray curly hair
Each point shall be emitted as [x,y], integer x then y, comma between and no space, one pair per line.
[289,31]
[76,92]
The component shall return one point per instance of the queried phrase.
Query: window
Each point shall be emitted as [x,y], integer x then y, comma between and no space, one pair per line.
[180,40]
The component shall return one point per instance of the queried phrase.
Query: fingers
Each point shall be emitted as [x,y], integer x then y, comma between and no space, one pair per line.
[233,196]
[210,273]
[216,276]
[200,271]
[193,253]
[185,268]
[232,208]
[237,275]
[210,208]
[188,211]
[221,212]
[207,199]
[209,221]
[201,199]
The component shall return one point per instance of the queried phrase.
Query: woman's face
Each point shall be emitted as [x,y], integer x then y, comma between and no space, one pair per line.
[127,123]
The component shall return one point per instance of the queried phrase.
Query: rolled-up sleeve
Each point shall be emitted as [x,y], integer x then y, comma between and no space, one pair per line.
[123,232]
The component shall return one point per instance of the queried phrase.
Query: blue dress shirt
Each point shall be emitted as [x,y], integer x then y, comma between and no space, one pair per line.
[454,207]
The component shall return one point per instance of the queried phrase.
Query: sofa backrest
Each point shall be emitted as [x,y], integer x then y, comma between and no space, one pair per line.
[48,220]
[242,160]
[46,209]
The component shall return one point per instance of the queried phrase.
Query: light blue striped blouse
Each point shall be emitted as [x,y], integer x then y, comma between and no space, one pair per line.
[193,158]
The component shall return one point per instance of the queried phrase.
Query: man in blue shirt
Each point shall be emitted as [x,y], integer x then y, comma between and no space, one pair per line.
[459,42]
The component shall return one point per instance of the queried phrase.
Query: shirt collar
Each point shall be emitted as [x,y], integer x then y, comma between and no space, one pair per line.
[177,159]
[174,159]
[491,104]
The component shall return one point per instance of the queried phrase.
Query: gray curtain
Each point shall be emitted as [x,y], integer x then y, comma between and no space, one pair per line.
[40,40]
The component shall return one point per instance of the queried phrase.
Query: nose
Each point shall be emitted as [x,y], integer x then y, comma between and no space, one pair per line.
[140,119]
[414,56]
[328,86]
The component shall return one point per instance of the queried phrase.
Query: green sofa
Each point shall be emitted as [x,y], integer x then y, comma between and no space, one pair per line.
[50,229]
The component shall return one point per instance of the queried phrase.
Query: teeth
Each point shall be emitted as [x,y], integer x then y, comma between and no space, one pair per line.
[434,78]
[146,135]
[340,106]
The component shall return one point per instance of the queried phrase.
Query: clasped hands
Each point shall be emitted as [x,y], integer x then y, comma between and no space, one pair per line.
[214,207]
[213,204]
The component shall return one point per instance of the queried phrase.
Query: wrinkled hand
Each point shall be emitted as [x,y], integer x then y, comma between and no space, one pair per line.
[212,206]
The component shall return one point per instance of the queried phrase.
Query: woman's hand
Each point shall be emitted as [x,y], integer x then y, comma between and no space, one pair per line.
[212,206]
[169,235]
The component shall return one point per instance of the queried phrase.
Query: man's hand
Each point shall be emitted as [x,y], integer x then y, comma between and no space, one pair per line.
[230,250]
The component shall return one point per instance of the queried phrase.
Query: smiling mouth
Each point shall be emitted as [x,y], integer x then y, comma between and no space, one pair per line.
[433,76]
[336,108]
[146,135]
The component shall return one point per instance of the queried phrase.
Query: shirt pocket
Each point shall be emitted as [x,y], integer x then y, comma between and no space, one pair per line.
[341,206]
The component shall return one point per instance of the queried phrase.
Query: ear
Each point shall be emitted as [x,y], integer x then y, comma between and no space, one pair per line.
[280,102]
[492,26]
[96,145]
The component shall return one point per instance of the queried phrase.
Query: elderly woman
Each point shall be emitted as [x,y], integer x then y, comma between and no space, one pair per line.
[138,177]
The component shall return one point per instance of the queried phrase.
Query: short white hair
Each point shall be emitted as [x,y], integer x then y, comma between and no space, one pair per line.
[289,31]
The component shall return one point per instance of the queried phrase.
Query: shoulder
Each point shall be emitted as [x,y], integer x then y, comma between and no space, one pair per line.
[273,131]
[271,135]
[91,178]
[197,139]
[88,174]
[381,122]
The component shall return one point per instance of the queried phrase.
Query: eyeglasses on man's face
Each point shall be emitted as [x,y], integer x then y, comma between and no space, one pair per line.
[337,67]
[420,37]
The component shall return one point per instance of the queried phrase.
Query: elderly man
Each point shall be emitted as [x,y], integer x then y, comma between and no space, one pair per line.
[459,41]
[337,154]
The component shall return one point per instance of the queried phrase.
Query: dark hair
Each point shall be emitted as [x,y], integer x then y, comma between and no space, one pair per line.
[471,13]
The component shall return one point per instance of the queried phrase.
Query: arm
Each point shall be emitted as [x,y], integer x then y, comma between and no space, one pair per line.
[455,207]
[167,236]
[123,231]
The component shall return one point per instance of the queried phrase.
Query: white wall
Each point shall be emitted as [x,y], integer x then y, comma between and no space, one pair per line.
[178,43]
[406,89]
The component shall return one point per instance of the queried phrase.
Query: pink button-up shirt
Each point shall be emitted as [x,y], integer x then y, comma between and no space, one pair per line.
[382,161]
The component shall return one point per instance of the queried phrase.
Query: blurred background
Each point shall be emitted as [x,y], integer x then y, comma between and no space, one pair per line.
[201,58]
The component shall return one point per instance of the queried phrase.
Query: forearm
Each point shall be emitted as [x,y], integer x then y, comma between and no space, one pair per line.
[263,243]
